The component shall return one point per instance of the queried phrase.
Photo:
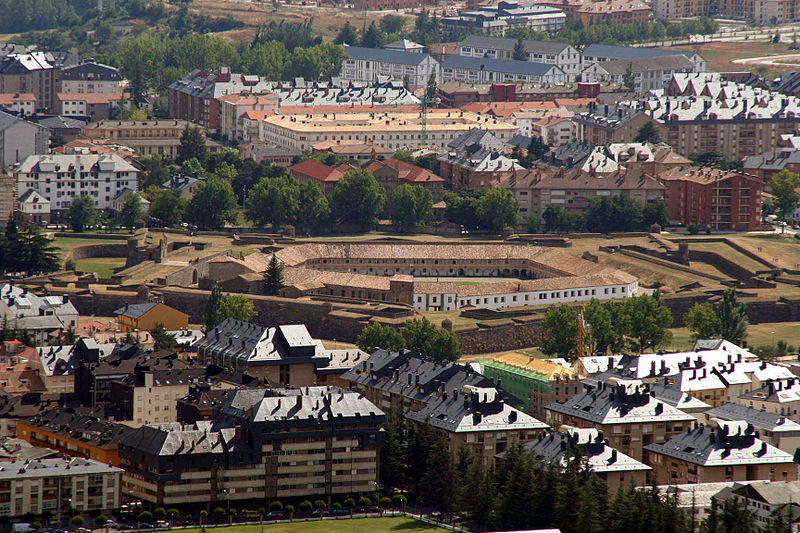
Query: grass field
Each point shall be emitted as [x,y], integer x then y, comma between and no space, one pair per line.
[356,525]
[719,56]
[757,335]
[104,266]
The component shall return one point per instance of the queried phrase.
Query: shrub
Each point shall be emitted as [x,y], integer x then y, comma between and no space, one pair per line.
[276,506]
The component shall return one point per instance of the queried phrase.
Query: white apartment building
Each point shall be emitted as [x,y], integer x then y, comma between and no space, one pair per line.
[648,73]
[562,55]
[91,77]
[487,70]
[60,178]
[392,130]
[368,64]
[233,106]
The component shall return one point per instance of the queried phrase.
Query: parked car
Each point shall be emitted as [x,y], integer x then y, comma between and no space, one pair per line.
[277,515]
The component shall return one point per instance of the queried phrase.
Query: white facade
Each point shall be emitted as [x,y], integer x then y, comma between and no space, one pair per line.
[367,65]
[61,178]
[20,139]
[556,131]
[568,59]
[90,86]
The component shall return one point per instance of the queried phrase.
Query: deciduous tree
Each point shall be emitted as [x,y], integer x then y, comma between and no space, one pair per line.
[82,213]
[358,198]
[237,306]
[376,336]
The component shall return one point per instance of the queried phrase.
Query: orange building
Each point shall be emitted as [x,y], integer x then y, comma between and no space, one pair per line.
[144,317]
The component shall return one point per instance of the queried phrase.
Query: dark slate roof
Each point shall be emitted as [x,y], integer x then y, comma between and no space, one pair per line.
[520,141]
[98,71]
[497,65]
[476,136]
[732,442]
[83,425]
[500,43]
[384,56]
[759,419]
[560,447]
[626,402]
[135,310]
[61,123]
[630,52]
[776,159]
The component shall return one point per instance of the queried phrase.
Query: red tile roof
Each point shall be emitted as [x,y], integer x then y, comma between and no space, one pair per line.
[316,170]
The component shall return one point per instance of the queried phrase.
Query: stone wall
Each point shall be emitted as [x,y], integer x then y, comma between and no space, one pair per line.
[94,250]
[500,338]
[189,275]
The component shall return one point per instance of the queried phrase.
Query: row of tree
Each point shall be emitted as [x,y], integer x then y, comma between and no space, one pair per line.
[418,334]
[490,210]
[604,215]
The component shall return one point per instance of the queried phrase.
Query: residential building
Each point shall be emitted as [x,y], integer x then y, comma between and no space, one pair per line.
[475,159]
[283,354]
[496,19]
[60,178]
[591,12]
[195,97]
[298,95]
[404,45]
[625,412]
[487,70]
[357,151]
[456,401]
[33,208]
[75,432]
[118,203]
[254,447]
[384,5]
[522,376]
[147,137]
[146,316]
[391,173]
[20,138]
[89,76]
[780,397]
[761,13]
[94,106]
[259,151]
[554,130]
[458,94]
[185,185]
[372,64]
[785,156]
[645,73]
[765,501]
[392,130]
[35,72]
[717,199]
[67,127]
[600,53]
[41,316]
[312,171]
[233,106]
[8,201]
[562,55]
[58,485]
[22,104]
[57,364]
[617,470]
[608,124]
[727,451]
[776,430]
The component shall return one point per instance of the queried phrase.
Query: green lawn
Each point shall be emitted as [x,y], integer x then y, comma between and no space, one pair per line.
[757,335]
[355,525]
[104,266]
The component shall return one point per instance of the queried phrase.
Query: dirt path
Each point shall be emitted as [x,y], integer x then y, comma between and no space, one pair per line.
[770,60]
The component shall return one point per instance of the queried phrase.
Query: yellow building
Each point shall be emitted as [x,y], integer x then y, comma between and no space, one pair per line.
[146,316]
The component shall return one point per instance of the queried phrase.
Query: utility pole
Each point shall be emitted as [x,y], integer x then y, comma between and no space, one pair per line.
[428,99]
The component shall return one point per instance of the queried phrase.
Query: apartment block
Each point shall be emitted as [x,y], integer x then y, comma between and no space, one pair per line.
[89,76]
[564,56]
[41,316]
[487,70]
[768,12]
[147,137]
[589,12]
[602,53]
[57,486]
[38,73]
[649,73]
[370,64]
[725,451]
[506,14]
[774,429]
[20,138]
[262,444]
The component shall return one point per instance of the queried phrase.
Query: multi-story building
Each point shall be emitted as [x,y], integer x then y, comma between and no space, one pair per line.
[60,178]
[146,316]
[262,444]
[195,97]
[718,199]
[58,486]
[562,55]
[601,53]
[726,451]
[392,130]
[57,364]
[147,137]
[21,104]
[357,151]
[458,94]
[94,106]
[312,171]
[645,73]
[554,130]
[75,432]
[89,76]
[8,200]
[616,469]
[625,412]
[475,159]
[41,316]
[20,138]
[454,399]
[780,397]
[776,430]
[32,208]
[768,12]
[590,12]
[391,173]
[283,354]
[369,64]
[487,70]
[35,72]
[233,106]
[496,19]
[765,501]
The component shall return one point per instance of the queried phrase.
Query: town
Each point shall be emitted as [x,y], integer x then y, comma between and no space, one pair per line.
[483,266]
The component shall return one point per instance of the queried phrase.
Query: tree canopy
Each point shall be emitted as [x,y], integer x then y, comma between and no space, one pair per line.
[358,198]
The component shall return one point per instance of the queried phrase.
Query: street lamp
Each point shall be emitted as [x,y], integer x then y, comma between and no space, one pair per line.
[228,497]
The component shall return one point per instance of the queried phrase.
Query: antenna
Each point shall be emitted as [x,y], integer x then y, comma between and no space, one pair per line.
[429,98]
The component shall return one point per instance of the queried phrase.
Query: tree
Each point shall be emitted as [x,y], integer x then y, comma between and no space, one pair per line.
[393,23]
[274,201]
[602,331]
[273,277]
[556,218]
[444,347]
[34,252]
[783,186]
[193,145]
[411,205]
[629,80]
[373,37]
[498,208]
[82,212]
[101,520]
[732,317]
[162,340]
[702,321]
[77,521]
[648,133]
[532,223]
[519,51]
[306,506]
[418,333]
[168,207]
[237,306]
[650,321]
[560,325]
[347,35]
[315,210]
[437,487]
[376,336]
[131,211]
[358,198]
[160,513]
[618,213]
[212,315]
[213,204]
[655,213]
[536,151]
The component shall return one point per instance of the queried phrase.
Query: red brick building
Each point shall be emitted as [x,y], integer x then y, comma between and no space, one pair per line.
[719,199]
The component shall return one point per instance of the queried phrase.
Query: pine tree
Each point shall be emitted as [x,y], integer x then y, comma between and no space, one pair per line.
[35,253]
[213,312]
[11,248]
[273,277]
[732,317]
[393,453]
[519,51]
